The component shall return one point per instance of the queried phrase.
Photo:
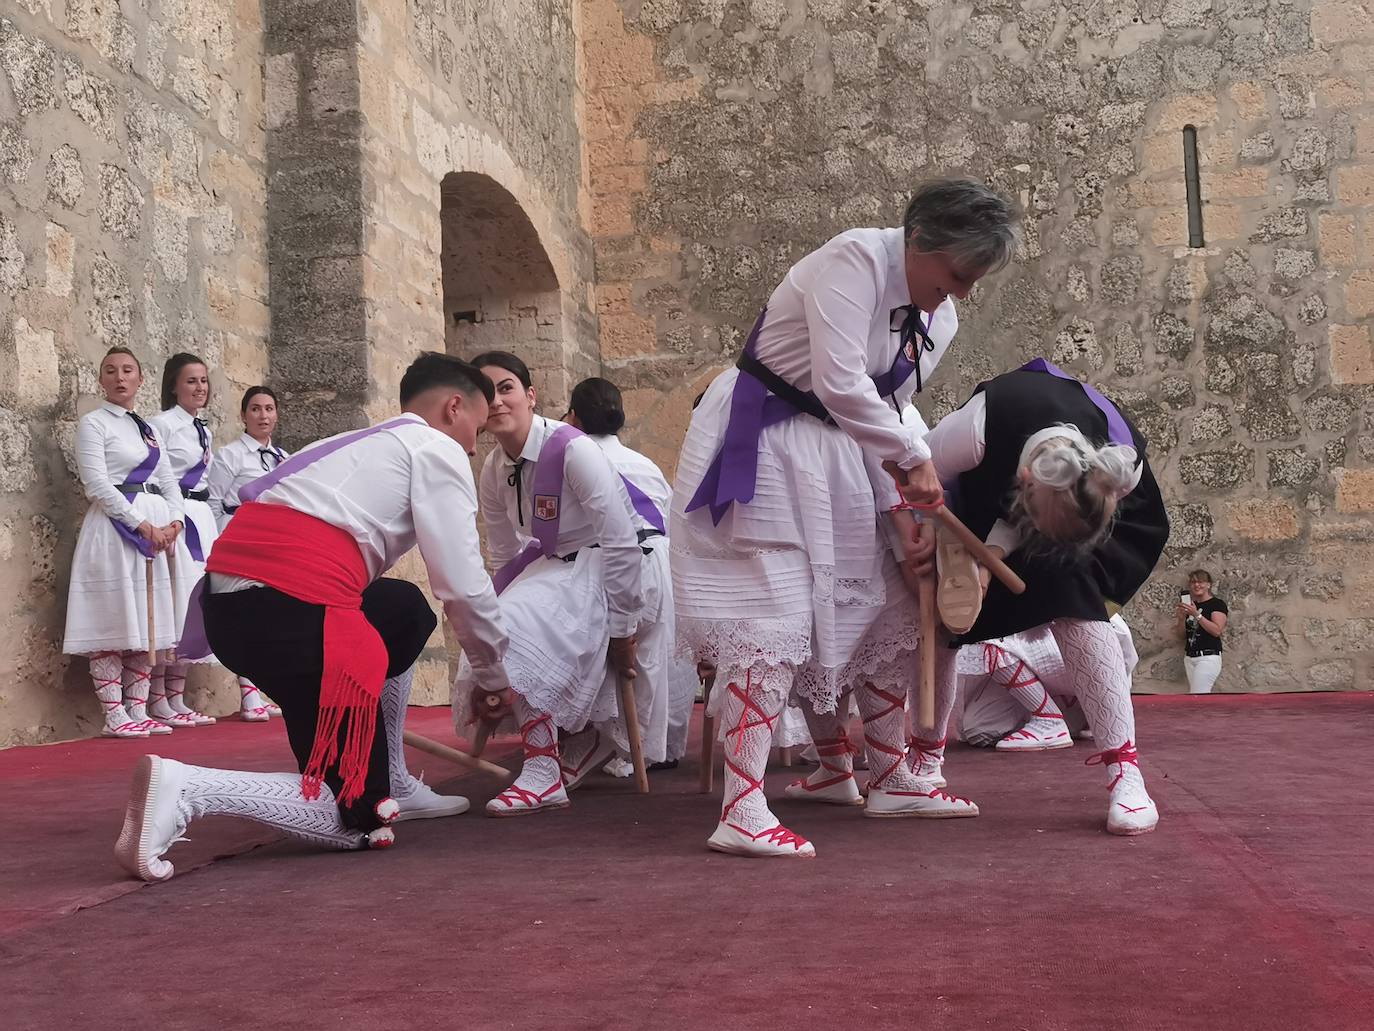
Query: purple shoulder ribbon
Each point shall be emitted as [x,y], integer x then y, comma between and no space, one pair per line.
[188,481]
[140,475]
[1117,430]
[547,506]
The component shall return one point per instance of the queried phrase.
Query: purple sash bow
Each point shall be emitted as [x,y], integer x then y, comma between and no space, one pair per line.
[547,506]
[1117,430]
[733,473]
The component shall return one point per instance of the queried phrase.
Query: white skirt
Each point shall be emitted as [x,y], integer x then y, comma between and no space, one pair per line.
[796,575]
[558,623]
[107,603]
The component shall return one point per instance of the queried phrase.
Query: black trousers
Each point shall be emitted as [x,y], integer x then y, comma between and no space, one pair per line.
[277,642]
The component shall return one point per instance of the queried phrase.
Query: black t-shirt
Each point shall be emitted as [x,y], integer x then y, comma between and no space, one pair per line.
[1199,641]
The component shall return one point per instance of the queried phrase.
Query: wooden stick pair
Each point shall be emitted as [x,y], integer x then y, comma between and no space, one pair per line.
[151,605]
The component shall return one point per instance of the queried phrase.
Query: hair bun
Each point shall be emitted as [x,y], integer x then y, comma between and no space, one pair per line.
[1117,463]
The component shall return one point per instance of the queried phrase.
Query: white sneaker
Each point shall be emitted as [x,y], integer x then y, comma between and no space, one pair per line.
[618,767]
[927,801]
[154,818]
[1038,735]
[775,841]
[1130,809]
[424,803]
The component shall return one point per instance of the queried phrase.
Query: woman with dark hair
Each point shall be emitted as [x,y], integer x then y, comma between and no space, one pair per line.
[664,696]
[794,558]
[186,441]
[135,519]
[234,467]
[561,534]
[1052,475]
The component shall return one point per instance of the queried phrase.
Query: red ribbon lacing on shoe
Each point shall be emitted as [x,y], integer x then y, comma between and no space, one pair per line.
[515,793]
[1118,756]
[918,751]
[830,748]
[895,703]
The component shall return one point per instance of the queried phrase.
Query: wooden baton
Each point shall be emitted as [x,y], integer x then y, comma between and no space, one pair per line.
[152,618]
[453,755]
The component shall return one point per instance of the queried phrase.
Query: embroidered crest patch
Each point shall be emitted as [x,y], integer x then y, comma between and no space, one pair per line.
[546,506]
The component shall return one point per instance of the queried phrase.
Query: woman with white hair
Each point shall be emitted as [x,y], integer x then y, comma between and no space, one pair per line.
[1054,477]
[792,553]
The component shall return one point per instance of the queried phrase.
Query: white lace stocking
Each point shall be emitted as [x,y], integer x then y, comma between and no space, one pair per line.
[136,672]
[174,686]
[273,799]
[754,700]
[946,690]
[831,738]
[1092,654]
[540,771]
[1022,684]
[883,708]
[575,750]
[395,700]
[107,671]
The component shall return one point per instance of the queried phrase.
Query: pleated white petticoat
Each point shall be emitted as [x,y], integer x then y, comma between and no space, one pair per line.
[795,577]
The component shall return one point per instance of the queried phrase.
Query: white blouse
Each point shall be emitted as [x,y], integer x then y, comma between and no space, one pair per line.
[828,330]
[237,465]
[110,446]
[595,509]
[176,428]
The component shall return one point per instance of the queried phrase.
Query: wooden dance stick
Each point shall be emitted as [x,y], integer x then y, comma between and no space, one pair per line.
[629,711]
[152,618]
[980,551]
[453,755]
[177,617]
[491,702]
[707,783]
[925,694]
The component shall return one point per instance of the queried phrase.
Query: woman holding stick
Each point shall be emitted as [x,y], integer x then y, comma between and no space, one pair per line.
[781,570]
[135,519]
[1054,477]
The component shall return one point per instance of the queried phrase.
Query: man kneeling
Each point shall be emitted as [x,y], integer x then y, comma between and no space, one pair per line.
[294,600]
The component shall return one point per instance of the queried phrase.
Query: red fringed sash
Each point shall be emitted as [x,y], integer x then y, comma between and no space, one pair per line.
[319,563]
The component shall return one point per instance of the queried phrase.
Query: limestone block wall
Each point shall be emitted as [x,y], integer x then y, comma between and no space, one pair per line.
[132,211]
[726,138]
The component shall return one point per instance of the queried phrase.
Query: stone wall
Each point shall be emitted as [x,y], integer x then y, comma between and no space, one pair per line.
[728,137]
[132,211]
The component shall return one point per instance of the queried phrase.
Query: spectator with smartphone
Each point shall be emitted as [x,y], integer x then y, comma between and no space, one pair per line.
[1201,620]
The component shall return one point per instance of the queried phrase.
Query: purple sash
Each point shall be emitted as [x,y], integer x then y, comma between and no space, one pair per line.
[547,506]
[188,481]
[140,475]
[733,473]
[1117,430]
[193,644]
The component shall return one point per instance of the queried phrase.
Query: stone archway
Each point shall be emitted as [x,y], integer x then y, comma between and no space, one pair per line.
[500,288]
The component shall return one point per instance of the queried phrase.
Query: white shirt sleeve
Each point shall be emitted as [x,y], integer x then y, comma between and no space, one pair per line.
[839,310]
[167,483]
[95,474]
[218,481]
[503,543]
[444,508]
[588,473]
[957,444]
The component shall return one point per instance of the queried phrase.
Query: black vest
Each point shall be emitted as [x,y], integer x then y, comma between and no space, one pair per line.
[1018,405]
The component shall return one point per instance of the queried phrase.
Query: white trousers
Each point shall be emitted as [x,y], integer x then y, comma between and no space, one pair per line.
[1202,671]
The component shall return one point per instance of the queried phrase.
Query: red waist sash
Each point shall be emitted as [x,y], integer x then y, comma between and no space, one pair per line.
[318,563]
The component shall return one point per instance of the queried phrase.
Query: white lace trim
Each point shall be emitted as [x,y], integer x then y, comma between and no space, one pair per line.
[879,659]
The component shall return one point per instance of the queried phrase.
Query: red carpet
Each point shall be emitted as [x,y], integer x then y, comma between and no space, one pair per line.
[1251,907]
